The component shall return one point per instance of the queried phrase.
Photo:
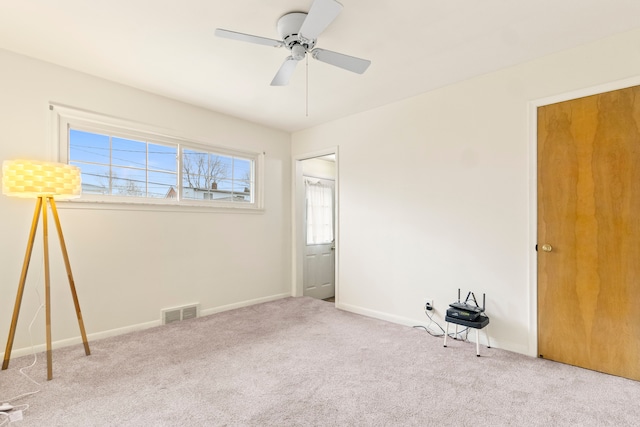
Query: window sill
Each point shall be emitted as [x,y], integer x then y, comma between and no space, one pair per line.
[157,207]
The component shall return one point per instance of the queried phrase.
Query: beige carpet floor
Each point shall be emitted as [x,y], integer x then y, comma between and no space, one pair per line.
[301,362]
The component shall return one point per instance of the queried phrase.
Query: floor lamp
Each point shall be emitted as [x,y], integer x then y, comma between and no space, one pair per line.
[45,182]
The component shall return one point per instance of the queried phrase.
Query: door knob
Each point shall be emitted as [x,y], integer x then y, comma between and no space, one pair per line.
[547,247]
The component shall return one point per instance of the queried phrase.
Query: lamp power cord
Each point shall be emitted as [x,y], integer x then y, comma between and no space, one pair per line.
[15,411]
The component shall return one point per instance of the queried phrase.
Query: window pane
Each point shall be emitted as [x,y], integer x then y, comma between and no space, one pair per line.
[88,147]
[128,182]
[242,176]
[162,185]
[126,152]
[194,169]
[319,212]
[219,167]
[194,181]
[242,197]
[205,171]
[225,185]
[191,187]
[95,178]
[223,171]
[241,187]
[163,158]
[242,168]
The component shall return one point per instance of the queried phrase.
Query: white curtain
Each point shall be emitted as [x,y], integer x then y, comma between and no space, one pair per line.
[319,212]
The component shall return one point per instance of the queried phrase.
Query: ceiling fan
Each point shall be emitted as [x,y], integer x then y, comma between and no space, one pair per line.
[299,32]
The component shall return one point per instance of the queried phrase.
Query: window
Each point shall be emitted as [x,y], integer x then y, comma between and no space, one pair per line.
[319,198]
[123,162]
[211,176]
[123,167]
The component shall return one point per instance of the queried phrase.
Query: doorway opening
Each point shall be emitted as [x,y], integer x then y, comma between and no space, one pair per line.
[315,226]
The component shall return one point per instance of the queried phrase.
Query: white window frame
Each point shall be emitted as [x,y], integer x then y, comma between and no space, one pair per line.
[64,118]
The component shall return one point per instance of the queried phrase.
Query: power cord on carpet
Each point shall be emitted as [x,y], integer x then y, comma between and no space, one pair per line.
[10,415]
[454,335]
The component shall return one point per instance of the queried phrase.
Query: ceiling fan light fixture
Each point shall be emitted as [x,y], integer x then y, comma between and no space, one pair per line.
[298,52]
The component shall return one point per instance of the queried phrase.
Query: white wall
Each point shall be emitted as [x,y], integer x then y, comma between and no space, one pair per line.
[129,264]
[455,168]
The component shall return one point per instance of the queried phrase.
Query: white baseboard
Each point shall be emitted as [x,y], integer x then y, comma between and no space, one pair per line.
[379,315]
[78,340]
[412,322]
[241,304]
[137,327]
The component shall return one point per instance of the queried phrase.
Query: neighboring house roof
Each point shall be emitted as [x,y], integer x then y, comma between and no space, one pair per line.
[171,194]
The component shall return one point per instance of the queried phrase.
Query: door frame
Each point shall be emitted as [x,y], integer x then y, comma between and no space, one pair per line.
[297,224]
[533,190]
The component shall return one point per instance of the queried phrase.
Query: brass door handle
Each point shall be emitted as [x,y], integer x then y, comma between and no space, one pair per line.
[547,247]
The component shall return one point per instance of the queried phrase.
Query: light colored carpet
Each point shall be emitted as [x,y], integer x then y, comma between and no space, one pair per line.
[299,362]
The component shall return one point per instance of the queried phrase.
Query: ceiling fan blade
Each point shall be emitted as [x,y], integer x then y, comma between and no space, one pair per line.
[321,14]
[285,72]
[350,63]
[247,38]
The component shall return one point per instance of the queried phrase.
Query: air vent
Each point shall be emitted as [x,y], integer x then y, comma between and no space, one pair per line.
[190,312]
[171,316]
[176,314]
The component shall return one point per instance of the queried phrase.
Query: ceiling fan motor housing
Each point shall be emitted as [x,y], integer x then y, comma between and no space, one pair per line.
[289,30]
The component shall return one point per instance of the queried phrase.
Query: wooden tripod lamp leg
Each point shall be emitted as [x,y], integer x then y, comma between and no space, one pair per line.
[41,206]
[23,278]
[47,288]
[67,264]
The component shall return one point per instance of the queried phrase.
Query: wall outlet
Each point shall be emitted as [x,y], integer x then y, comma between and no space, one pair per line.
[428,304]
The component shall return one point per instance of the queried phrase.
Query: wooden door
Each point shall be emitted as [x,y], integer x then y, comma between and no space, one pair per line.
[589,214]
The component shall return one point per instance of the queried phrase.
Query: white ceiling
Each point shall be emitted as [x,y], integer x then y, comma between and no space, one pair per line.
[168,47]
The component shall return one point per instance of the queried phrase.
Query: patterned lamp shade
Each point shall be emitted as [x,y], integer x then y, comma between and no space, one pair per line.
[32,178]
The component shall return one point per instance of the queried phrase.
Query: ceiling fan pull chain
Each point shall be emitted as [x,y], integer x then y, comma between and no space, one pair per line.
[307,88]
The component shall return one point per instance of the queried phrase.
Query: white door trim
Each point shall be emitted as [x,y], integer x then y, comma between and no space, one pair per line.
[533,190]
[297,214]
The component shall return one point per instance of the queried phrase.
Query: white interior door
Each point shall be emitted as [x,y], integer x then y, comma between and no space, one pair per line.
[319,250]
